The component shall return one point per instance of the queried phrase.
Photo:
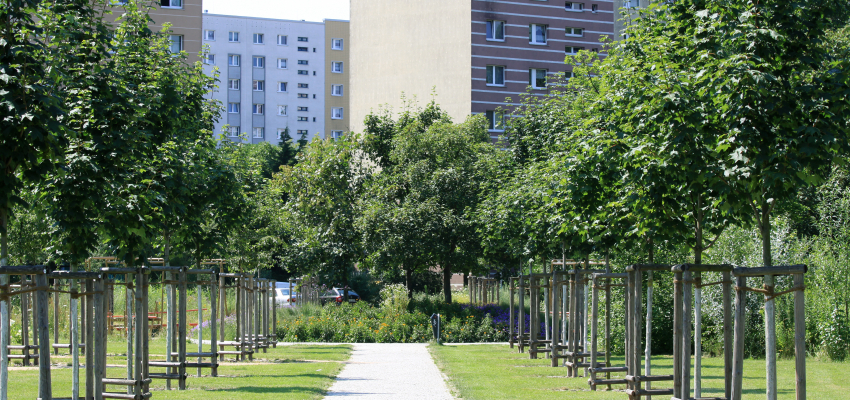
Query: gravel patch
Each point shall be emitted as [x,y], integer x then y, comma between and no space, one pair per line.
[390,371]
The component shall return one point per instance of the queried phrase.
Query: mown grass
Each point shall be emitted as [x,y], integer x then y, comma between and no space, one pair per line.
[498,372]
[285,372]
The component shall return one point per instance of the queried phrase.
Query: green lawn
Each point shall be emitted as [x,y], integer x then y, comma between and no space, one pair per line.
[499,372]
[287,372]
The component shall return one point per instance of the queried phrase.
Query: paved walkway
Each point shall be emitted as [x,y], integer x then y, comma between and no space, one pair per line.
[390,371]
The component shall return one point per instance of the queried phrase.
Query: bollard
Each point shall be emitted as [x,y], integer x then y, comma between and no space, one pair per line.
[435,326]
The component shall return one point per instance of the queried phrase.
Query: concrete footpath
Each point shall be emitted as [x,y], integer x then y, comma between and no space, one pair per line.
[390,371]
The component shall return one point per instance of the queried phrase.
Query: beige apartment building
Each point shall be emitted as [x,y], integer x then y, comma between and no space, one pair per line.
[337,82]
[472,56]
[185,17]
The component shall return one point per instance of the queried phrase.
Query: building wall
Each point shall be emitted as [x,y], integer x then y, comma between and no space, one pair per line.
[410,47]
[185,20]
[304,102]
[335,29]
[517,55]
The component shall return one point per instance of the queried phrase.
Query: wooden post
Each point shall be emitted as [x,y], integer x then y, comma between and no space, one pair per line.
[75,341]
[55,298]
[738,351]
[90,374]
[727,334]
[800,336]
[647,355]
[240,333]
[25,325]
[534,316]
[594,331]
[45,391]
[214,320]
[511,312]
[181,330]
[629,311]
[608,327]
[698,335]
[572,340]
[770,339]
[553,345]
[169,318]
[521,314]
[4,332]
[99,340]
[199,288]
[678,328]
[685,339]
[129,324]
[222,297]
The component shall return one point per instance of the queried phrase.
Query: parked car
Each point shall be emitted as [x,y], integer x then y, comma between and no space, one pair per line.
[284,297]
[336,295]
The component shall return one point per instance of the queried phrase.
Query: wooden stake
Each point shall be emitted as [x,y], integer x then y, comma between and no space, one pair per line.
[45,390]
[800,336]
[770,339]
[738,351]
[728,327]
[99,340]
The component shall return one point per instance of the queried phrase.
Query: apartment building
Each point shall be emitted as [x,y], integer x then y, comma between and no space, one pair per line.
[475,56]
[336,78]
[277,74]
[184,16]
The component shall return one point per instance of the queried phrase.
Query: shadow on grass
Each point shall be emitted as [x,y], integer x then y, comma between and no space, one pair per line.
[271,390]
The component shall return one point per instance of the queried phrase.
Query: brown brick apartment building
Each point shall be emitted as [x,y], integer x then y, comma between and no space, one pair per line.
[472,54]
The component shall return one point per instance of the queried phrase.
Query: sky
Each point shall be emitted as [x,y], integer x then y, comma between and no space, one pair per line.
[309,10]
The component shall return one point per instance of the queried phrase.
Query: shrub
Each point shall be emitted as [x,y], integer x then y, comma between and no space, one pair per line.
[835,336]
[394,298]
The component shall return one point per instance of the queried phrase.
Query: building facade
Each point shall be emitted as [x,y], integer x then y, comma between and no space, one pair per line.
[276,75]
[185,18]
[472,56]
[337,83]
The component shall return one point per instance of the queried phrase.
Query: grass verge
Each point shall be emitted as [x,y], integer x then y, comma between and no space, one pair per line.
[498,372]
[287,372]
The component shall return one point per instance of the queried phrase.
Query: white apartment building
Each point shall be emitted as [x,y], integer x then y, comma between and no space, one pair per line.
[272,76]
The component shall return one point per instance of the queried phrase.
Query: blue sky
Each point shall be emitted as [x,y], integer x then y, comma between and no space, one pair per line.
[310,10]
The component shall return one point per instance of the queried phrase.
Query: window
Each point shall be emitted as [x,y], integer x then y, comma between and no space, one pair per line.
[495,30]
[257,109]
[232,36]
[314,96]
[336,113]
[258,38]
[573,6]
[336,66]
[259,62]
[303,96]
[336,44]
[233,131]
[302,108]
[495,120]
[302,39]
[574,31]
[281,110]
[301,132]
[314,73]
[281,40]
[336,135]
[314,49]
[572,49]
[496,75]
[631,3]
[233,84]
[537,33]
[303,119]
[537,78]
[209,59]
[303,62]
[336,90]
[281,63]
[171,3]
[176,43]
[280,133]
[594,7]
[259,86]
[209,35]
[303,86]
[569,74]
[259,133]
[303,72]
[281,86]
[233,108]
[233,60]
[303,49]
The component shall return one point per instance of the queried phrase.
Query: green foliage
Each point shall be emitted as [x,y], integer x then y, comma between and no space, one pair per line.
[394,299]
[836,336]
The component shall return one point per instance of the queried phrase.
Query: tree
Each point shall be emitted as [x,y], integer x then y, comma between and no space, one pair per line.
[323,189]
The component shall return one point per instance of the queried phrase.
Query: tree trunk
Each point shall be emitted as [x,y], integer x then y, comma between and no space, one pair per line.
[769,306]
[408,281]
[447,282]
